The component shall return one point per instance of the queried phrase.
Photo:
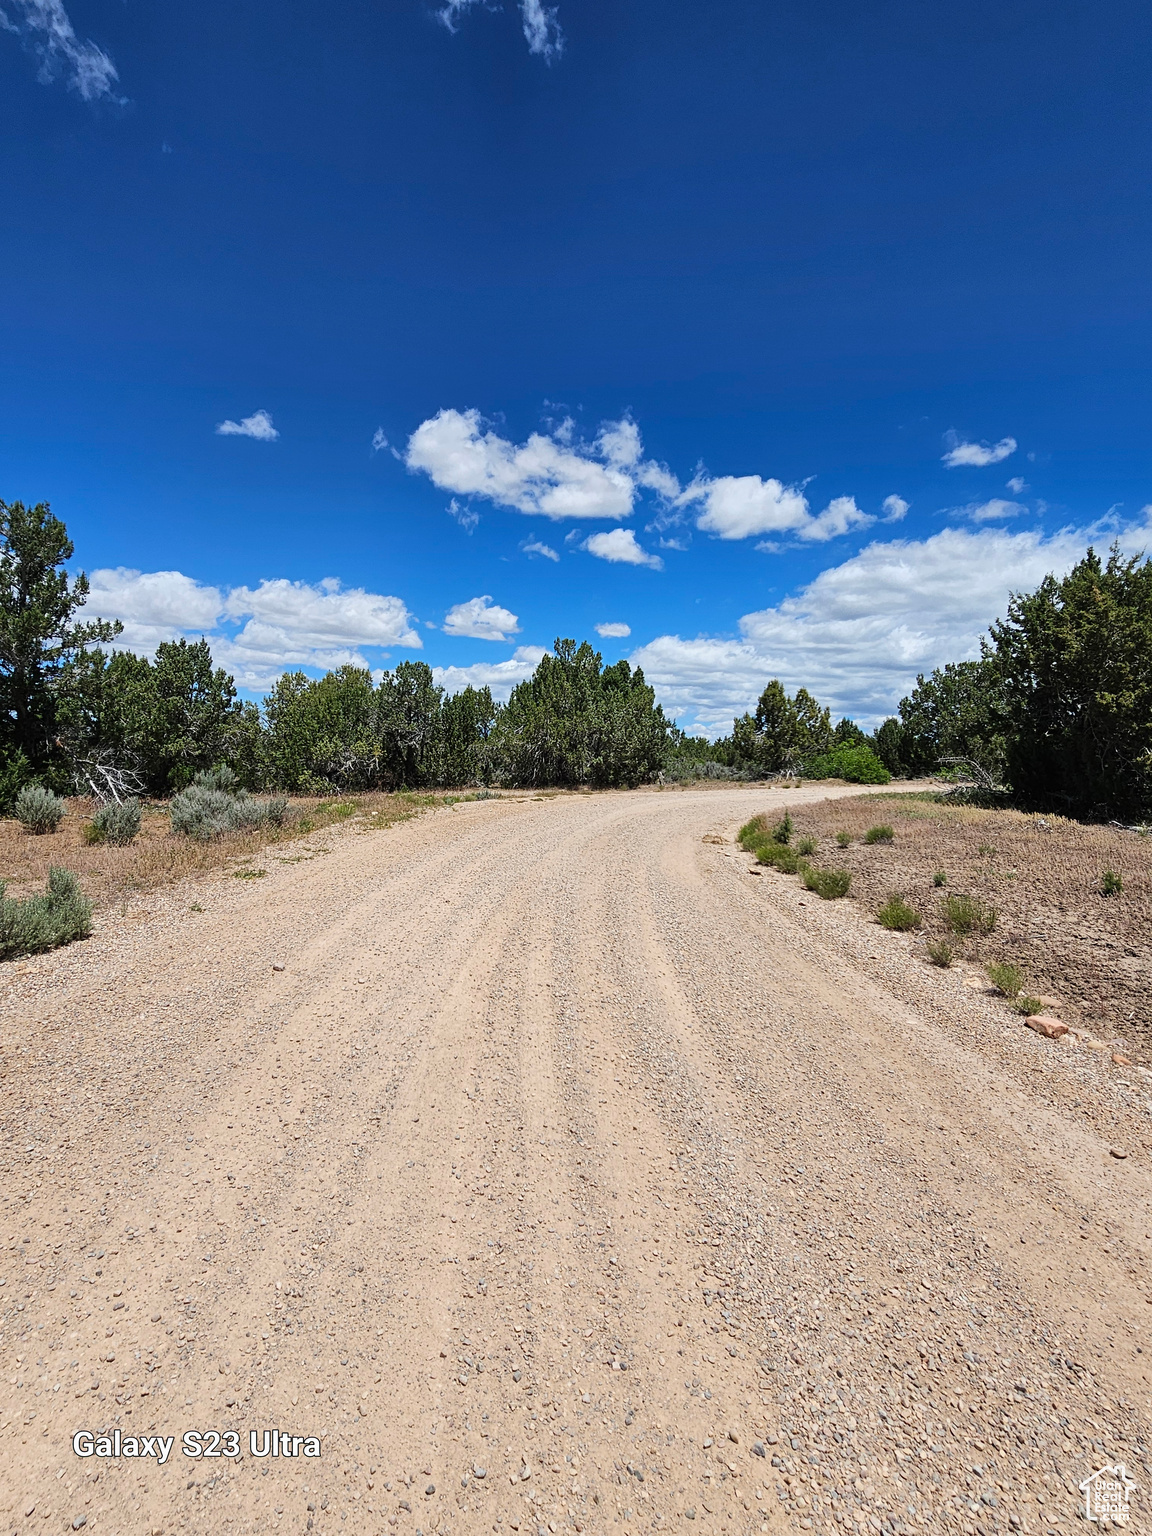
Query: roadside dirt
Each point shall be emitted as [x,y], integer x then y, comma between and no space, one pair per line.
[566,1166]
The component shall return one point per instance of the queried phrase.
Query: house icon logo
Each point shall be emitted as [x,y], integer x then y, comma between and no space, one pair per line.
[1106,1495]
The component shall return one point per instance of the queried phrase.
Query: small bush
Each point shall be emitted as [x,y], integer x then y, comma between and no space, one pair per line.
[112,823]
[203,812]
[38,809]
[45,922]
[880,834]
[486,794]
[1111,884]
[939,879]
[752,833]
[859,765]
[785,859]
[843,839]
[1006,978]
[782,831]
[941,953]
[898,915]
[806,846]
[221,778]
[829,884]
[965,915]
[1028,1006]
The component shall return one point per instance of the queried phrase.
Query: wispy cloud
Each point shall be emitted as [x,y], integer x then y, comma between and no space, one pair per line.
[258,425]
[614,631]
[1017,485]
[551,475]
[976,455]
[620,547]
[895,509]
[481,619]
[541,25]
[992,511]
[45,30]
[535,547]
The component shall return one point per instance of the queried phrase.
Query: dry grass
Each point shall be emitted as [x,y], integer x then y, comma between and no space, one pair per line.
[1042,874]
[159,856]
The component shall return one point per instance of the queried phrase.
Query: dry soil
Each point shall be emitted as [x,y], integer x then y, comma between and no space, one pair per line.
[557,1171]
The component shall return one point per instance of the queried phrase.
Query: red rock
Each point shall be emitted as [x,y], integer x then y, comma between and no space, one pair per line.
[1044,1024]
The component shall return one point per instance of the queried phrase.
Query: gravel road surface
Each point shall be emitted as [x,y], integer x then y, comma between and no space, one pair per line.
[545,1169]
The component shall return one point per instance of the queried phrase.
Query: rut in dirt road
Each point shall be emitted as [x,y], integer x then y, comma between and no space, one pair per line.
[567,1177]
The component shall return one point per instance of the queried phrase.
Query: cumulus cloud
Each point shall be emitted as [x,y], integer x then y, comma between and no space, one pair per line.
[549,475]
[992,511]
[620,547]
[743,506]
[535,547]
[258,425]
[481,619]
[45,30]
[976,455]
[256,633]
[860,632]
[895,509]
[613,631]
[500,676]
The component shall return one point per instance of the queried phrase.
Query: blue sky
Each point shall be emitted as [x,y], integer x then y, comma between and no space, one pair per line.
[790,337]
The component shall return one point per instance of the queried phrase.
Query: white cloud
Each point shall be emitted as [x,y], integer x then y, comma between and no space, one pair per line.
[258,425]
[535,547]
[895,509]
[379,440]
[1017,484]
[500,676]
[976,455]
[742,506]
[541,28]
[548,475]
[989,511]
[46,31]
[466,516]
[481,619]
[620,547]
[278,625]
[860,632]
[613,631]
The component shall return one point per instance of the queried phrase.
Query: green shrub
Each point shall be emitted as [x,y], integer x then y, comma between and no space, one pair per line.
[881,834]
[753,832]
[780,857]
[1028,1006]
[965,915]
[1111,884]
[1006,978]
[941,953]
[843,839]
[939,879]
[829,884]
[221,778]
[782,831]
[114,823]
[806,846]
[898,915]
[38,809]
[858,764]
[203,812]
[39,923]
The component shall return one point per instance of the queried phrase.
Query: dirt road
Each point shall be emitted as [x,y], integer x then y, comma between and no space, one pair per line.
[567,1176]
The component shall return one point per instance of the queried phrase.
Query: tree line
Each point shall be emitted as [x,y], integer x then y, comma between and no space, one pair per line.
[1058,708]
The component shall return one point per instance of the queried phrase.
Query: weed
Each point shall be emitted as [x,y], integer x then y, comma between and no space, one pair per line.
[786,860]
[829,884]
[843,839]
[1111,884]
[336,810]
[249,874]
[782,831]
[752,832]
[1028,1006]
[965,915]
[939,879]
[941,953]
[306,824]
[485,794]
[1006,978]
[881,834]
[39,923]
[195,907]
[898,915]
[38,810]
[806,846]
[987,851]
